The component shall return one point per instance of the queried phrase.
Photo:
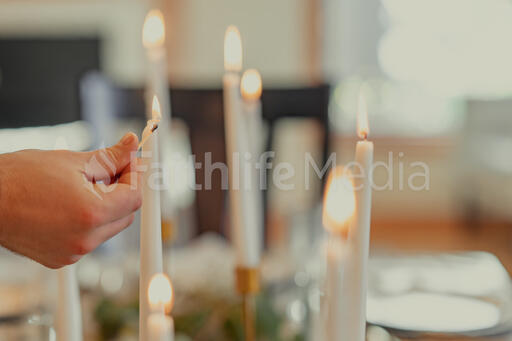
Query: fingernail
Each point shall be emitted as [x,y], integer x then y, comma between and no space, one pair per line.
[127,138]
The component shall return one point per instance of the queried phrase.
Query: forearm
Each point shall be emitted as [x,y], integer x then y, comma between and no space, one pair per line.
[4,171]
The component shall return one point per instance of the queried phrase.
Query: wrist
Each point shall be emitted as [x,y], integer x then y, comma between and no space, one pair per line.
[3,195]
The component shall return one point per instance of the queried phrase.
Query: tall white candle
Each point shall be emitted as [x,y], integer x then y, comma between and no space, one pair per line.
[245,239]
[338,211]
[160,327]
[68,324]
[335,265]
[160,298]
[251,88]
[359,232]
[151,224]
[153,39]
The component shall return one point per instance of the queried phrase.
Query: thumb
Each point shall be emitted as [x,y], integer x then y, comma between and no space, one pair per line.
[104,164]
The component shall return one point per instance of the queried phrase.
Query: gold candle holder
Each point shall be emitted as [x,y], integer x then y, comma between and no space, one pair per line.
[248,285]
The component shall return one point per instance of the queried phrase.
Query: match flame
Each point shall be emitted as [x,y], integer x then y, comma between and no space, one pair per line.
[160,293]
[156,112]
[362,118]
[152,124]
[251,85]
[153,31]
[232,49]
[339,201]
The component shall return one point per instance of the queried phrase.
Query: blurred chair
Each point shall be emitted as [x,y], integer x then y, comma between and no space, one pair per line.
[485,176]
[202,111]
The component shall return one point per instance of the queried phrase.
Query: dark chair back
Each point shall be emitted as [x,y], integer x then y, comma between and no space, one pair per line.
[202,110]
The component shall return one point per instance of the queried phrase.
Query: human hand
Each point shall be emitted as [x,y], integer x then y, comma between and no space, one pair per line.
[56,206]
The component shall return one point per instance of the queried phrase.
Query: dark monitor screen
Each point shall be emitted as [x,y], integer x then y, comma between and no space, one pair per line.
[39,79]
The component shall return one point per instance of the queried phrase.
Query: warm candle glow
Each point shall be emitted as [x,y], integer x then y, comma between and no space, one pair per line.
[362,117]
[160,293]
[339,201]
[232,49]
[155,109]
[153,32]
[251,85]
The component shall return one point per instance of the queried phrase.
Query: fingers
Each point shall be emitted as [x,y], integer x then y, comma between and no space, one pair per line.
[127,176]
[122,198]
[121,201]
[105,164]
[104,233]
[88,242]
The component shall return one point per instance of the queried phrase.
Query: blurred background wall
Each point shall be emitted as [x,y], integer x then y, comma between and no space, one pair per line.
[115,23]
[195,31]
[438,90]
[277,39]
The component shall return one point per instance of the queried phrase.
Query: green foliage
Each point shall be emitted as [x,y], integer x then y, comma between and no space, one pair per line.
[190,324]
[268,321]
[204,318]
[113,317]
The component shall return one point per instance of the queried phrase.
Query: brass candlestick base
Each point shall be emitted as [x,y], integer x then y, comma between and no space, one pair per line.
[248,309]
[248,285]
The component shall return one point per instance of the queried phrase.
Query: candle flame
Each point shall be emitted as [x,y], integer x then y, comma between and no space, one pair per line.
[160,293]
[339,201]
[153,31]
[156,112]
[152,124]
[232,49]
[251,85]
[362,117]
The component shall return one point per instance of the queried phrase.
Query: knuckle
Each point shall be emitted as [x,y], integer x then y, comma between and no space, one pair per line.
[112,159]
[138,199]
[63,261]
[112,155]
[89,217]
[131,219]
[52,265]
[68,260]
[82,247]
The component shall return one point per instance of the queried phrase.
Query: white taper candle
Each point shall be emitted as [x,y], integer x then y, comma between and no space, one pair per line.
[252,132]
[153,39]
[151,224]
[336,259]
[359,232]
[160,327]
[359,237]
[338,211]
[68,324]
[245,238]
[160,297]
